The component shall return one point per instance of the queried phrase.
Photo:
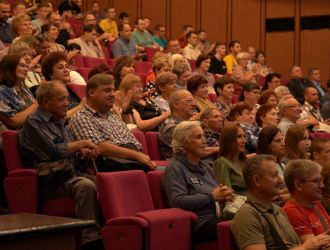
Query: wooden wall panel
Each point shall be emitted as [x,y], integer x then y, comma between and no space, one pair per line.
[310,8]
[315,51]
[214,19]
[156,10]
[182,12]
[280,8]
[280,51]
[246,22]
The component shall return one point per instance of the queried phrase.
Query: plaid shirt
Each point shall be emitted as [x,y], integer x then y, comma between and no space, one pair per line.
[88,124]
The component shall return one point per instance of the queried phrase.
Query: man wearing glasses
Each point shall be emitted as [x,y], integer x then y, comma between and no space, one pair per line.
[304,209]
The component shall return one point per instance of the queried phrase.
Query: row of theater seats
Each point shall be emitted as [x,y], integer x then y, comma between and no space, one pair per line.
[132,203]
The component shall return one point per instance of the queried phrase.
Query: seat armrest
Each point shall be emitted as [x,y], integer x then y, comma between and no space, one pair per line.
[23,172]
[128,220]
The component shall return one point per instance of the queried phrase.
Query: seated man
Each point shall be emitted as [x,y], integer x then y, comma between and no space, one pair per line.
[182,106]
[191,51]
[305,212]
[259,224]
[88,42]
[45,142]
[96,122]
[141,38]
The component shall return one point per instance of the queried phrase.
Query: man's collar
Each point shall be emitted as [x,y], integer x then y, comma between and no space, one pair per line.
[263,207]
[46,116]
[94,112]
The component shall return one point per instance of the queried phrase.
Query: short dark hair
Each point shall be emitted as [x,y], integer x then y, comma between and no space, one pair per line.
[237,109]
[100,69]
[123,15]
[221,82]
[190,33]
[158,26]
[8,65]
[137,20]
[232,43]
[269,78]
[264,96]
[317,146]
[185,27]
[89,28]
[194,82]
[253,167]
[311,70]
[99,79]
[201,58]
[49,61]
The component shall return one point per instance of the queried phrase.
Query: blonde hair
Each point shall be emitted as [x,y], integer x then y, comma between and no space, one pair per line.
[17,21]
[182,134]
[128,82]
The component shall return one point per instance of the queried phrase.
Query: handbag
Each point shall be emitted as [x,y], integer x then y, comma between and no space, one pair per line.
[231,207]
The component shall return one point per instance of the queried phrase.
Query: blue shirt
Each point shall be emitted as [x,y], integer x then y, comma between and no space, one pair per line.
[122,47]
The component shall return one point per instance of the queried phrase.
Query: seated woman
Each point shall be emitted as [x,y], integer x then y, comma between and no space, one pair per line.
[271,142]
[22,26]
[268,97]
[297,143]
[260,67]
[160,65]
[165,86]
[212,122]
[228,167]
[203,64]
[146,115]
[189,183]
[183,72]
[55,67]
[123,66]
[251,95]
[218,66]
[241,73]
[88,42]
[16,101]
[224,89]
[51,31]
[267,115]
[272,81]
[198,86]
[242,113]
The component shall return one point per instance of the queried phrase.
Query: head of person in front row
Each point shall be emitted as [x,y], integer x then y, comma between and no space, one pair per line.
[297,143]
[199,192]
[305,183]
[228,167]
[320,151]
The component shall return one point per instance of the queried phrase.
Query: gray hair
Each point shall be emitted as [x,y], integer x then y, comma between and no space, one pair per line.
[175,97]
[299,170]
[182,134]
[241,55]
[283,103]
[281,91]
[46,91]
[180,68]
[253,167]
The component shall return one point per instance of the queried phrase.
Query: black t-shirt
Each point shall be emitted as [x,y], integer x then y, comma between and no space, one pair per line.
[75,9]
[217,66]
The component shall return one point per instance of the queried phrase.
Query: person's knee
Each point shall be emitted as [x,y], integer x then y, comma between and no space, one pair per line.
[87,186]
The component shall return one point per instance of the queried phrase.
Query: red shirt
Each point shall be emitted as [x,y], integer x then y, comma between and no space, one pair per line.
[305,220]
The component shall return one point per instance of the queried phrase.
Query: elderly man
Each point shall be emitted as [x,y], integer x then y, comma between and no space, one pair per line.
[298,83]
[182,106]
[46,143]
[259,224]
[305,212]
[290,111]
[96,122]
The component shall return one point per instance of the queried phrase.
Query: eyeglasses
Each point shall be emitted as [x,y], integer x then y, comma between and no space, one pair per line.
[292,106]
[317,181]
[188,101]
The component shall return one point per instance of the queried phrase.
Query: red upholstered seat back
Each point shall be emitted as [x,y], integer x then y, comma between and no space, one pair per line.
[153,146]
[10,149]
[123,193]
[155,183]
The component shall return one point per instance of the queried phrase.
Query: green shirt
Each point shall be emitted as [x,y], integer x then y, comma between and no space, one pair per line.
[229,173]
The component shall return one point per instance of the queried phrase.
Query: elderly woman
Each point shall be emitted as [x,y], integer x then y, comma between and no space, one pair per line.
[123,66]
[166,85]
[212,122]
[241,74]
[22,26]
[183,72]
[267,115]
[51,31]
[305,212]
[268,97]
[16,101]
[198,87]
[224,89]
[297,143]
[55,67]
[146,115]
[203,64]
[190,184]
[228,167]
